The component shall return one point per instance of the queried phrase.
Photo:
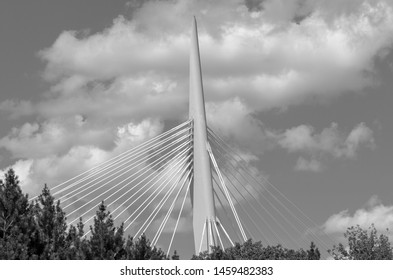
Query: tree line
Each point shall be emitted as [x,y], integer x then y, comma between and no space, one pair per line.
[38,230]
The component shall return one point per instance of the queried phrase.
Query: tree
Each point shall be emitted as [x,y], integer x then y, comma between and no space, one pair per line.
[16,219]
[175,256]
[256,251]
[106,241]
[217,253]
[78,246]
[313,253]
[52,226]
[363,245]
[141,249]
[249,250]
[38,230]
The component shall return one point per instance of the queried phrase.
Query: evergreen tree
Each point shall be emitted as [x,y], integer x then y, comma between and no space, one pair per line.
[106,241]
[313,253]
[78,246]
[16,219]
[52,225]
[141,249]
[39,231]
[175,256]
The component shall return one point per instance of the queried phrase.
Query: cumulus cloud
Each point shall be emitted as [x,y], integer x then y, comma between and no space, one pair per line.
[256,56]
[330,141]
[34,140]
[55,169]
[52,157]
[374,213]
[252,50]
[234,121]
[252,137]
[132,134]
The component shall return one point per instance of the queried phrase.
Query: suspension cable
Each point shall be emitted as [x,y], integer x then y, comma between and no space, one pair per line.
[120,155]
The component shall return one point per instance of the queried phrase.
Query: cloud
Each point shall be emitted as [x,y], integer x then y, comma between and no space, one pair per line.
[250,50]
[375,213]
[15,109]
[51,156]
[55,136]
[234,121]
[54,169]
[256,56]
[118,101]
[329,142]
[360,135]
[254,5]
[131,134]
[303,164]
[236,124]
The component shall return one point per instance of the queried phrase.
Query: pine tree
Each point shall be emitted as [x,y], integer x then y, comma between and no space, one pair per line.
[39,231]
[16,219]
[141,250]
[175,256]
[106,241]
[52,225]
[78,247]
[313,253]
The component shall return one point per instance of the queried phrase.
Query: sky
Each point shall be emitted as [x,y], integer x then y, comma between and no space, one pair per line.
[303,88]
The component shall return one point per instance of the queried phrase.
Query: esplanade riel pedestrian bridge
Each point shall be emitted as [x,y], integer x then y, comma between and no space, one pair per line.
[188,184]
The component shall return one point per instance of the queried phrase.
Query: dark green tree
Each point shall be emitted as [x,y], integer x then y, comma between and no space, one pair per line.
[175,256]
[141,249]
[250,250]
[16,220]
[313,253]
[363,245]
[247,251]
[216,253]
[38,230]
[78,247]
[52,225]
[106,241]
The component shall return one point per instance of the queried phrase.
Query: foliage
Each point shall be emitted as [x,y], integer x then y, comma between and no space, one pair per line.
[313,253]
[175,256]
[363,245]
[78,247]
[51,225]
[256,251]
[38,230]
[17,228]
[106,241]
[142,250]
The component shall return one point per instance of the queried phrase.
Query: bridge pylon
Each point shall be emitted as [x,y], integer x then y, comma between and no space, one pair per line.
[204,215]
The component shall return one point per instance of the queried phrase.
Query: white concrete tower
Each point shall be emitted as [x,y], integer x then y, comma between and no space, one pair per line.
[204,215]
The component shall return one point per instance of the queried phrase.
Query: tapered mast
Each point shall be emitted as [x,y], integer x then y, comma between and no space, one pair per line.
[204,215]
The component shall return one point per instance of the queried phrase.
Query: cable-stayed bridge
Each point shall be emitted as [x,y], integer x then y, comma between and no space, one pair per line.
[188,179]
